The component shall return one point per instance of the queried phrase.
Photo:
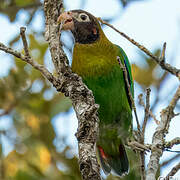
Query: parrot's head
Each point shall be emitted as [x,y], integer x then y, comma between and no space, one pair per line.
[83,25]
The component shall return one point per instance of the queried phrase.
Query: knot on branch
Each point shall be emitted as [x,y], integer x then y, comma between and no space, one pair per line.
[85,168]
[88,172]
[83,132]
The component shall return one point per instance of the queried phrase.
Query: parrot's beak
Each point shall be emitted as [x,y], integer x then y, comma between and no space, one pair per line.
[66,21]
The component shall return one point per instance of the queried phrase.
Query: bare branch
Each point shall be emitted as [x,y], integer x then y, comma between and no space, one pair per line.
[165,163]
[138,146]
[158,60]
[173,142]
[25,44]
[141,102]
[162,57]
[72,86]
[148,90]
[146,116]
[29,60]
[11,51]
[173,171]
[159,135]
[129,92]
[175,99]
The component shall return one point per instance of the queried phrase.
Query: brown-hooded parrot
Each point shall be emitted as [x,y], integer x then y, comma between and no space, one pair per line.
[95,60]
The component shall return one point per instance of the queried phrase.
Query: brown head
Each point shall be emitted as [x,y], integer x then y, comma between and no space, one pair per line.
[83,25]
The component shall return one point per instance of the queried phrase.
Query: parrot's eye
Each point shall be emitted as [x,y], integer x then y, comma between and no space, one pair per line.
[83,17]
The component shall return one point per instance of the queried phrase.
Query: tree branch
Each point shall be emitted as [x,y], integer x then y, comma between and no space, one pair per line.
[30,61]
[147,107]
[73,87]
[141,102]
[159,135]
[173,171]
[173,142]
[165,163]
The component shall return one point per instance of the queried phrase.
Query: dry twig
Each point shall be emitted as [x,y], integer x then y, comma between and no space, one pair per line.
[141,102]
[147,107]
[173,171]
[146,116]
[173,142]
[129,92]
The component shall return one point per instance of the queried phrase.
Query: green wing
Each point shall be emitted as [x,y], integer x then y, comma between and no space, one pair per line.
[125,61]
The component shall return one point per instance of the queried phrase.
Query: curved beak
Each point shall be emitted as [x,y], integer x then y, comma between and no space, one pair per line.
[66,21]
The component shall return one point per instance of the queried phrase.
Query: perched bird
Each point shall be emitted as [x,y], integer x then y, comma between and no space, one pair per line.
[95,60]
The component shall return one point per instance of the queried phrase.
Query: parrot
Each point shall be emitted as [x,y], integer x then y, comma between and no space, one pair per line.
[95,60]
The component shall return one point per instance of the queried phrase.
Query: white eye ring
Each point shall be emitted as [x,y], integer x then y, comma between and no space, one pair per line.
[83,17]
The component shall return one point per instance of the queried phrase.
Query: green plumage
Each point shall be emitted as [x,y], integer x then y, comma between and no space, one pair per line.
[95,60]
[115,112]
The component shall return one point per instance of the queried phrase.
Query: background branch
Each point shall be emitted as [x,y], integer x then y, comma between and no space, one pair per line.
[173,171]
[159,135]
[173,142]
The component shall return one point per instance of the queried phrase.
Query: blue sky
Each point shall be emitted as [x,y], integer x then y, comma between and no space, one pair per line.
[149,22]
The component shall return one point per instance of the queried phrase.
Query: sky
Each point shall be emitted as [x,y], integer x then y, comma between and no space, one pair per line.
[150,22]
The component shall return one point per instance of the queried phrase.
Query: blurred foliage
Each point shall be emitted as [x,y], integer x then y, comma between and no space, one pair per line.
[153,73]
[12,7]
[23,97]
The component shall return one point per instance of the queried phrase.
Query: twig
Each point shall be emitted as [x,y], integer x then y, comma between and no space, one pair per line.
[159,135]
[141,136]
[129,92]
[30,61]
[158,60]
[141,102]
[175,99]
[148,90]
[138,146]
[146,116]
[173,142]
[142,166]
[25,44]
[165,163]
[162,57]
[173,171]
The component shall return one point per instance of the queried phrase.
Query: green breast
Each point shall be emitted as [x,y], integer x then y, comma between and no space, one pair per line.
[97,65]
[109,93]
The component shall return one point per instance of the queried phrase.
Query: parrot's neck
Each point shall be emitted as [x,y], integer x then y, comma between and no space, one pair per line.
[94,59]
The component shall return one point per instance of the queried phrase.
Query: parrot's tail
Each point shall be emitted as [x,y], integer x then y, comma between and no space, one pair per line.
[118,163]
